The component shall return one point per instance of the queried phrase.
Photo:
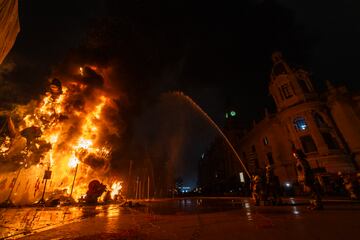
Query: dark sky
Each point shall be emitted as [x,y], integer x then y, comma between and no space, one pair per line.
[217,53]
[334,27]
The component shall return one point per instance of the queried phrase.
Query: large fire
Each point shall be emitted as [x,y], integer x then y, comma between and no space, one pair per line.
[64,133]
[115,189]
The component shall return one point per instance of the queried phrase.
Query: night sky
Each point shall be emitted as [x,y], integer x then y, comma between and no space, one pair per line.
[217,53]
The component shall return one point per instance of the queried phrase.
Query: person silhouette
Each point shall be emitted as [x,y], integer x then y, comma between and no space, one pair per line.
[307,179]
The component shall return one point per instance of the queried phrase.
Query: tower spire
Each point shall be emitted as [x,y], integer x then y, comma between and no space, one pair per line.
[289,86]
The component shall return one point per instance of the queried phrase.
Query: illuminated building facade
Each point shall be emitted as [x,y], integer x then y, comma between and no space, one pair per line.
[325,126]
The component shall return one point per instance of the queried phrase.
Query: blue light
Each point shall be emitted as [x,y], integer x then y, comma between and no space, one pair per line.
[301,124]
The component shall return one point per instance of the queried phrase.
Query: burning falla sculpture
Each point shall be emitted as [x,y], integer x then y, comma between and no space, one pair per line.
[65,133]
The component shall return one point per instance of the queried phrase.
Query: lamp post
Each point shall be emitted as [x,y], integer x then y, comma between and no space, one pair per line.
[47,176]
[148,188]
[137,188]
[72,186]
[128,190]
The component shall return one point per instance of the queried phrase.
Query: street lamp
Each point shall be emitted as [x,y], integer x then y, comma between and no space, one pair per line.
[47,176]
[72,186]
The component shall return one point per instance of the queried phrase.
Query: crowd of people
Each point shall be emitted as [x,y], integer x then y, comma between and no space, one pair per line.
[267,188]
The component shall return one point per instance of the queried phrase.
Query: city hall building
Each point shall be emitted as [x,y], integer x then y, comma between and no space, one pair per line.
[326,127]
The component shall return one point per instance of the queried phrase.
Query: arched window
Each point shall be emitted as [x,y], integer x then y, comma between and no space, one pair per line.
[319,120]
[281,94]
[286,91]
[304,86]
[279,68]
[270,158]
[300,124]
[330,140]
[308,144]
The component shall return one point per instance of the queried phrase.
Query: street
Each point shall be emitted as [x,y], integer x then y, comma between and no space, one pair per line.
[193,218]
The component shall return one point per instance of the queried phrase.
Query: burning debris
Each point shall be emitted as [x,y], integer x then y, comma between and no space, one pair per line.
[65,133]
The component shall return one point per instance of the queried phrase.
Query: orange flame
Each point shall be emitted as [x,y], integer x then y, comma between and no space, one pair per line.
[115,189]
[73,161]
[74,135]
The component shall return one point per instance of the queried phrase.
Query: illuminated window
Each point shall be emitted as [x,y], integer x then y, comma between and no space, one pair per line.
[300,124]
[241,175]
[266,141]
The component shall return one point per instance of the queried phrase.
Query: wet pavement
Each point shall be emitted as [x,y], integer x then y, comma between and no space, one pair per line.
[195,218]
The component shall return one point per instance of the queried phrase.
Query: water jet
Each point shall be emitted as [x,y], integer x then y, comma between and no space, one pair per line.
[217,128]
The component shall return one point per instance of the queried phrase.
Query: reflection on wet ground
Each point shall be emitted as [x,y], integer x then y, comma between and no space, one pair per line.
[17,222]
[195,218]
[192,205]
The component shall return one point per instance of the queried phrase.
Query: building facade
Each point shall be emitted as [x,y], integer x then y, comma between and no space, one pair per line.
[326,127]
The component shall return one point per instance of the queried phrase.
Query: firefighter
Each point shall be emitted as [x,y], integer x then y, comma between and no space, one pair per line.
[107,197]
[95,190]
[348,185]
[307,179]
[256,189]
[272,185]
